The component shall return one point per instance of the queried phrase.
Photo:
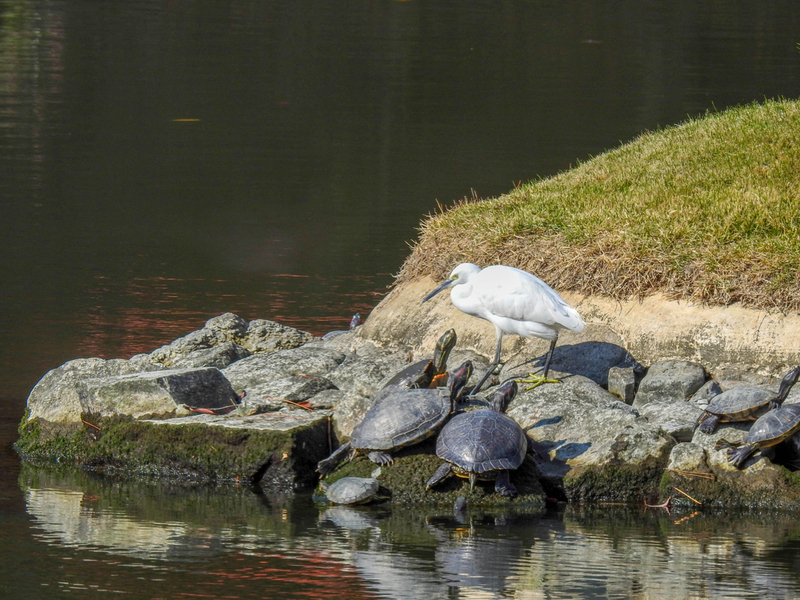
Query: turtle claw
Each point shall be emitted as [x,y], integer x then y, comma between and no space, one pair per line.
[536,380]
[380,458]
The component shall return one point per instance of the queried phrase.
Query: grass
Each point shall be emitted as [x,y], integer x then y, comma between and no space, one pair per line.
[708,210]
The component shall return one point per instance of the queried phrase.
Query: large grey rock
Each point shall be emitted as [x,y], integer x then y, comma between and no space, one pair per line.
[590,359]
[585,438]
[269,379]
[677,419]
[268,336]
[365,370]
[155,393]
[669,381]
[56,399]
[228,338]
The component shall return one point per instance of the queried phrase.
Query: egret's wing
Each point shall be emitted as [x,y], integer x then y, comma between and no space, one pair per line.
[515,294]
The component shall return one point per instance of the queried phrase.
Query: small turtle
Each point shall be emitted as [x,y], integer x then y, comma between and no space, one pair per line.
[425,373]
[352,490]
[402,418]
[769,429]
[483,444]
[744,403]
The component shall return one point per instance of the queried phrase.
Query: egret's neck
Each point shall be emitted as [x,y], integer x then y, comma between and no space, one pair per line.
[461,296]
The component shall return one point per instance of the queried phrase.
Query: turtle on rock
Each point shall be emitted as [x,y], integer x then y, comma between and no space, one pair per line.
[424,373]
[402,418]
[769,429]
[745,403]
[352,490]
[483,444]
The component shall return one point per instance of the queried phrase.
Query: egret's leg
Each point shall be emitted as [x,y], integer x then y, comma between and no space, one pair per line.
[537,380]
[475,389]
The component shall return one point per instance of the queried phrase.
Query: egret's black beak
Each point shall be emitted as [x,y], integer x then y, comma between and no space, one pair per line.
[447,283]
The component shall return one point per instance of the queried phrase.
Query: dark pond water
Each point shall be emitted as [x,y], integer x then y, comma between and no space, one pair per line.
[165,162]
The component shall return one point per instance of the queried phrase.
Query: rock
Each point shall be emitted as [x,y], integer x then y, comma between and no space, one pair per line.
[590,359]
[268,336]
[591,445]
[677,419]
[669,381]
[218,356]
[226,339]
[155,393]
[56,398]
[364,371]
[622,383]
[701,471]
[707,392]
[272,378]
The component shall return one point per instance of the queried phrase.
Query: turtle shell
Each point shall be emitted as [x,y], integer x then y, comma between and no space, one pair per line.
[402,418]
[774,426]
[352,490]
[482,440]
[741,402]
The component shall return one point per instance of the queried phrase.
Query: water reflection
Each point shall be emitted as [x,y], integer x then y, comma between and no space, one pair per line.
[195,539]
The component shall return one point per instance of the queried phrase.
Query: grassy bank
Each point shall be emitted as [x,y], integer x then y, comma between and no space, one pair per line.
[708,210]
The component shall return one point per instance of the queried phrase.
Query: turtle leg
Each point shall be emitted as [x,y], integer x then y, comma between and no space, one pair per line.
[327,465]
[503,485]
[737,456]
[708,423]
[442,472]
[380,458]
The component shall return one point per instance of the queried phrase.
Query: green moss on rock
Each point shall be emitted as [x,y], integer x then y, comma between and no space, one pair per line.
[406,477]
[277,459]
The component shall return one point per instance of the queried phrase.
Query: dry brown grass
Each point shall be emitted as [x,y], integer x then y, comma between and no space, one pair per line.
[707,211]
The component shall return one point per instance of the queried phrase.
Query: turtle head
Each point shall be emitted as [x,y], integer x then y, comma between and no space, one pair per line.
[458,379]
[355,321]
[503,396]
[788,381]
[444,346]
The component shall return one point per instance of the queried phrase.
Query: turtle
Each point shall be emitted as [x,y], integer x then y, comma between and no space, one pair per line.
[744,403]
[402,418]
[769,429]
[425,373]
[352,490]
[483,443]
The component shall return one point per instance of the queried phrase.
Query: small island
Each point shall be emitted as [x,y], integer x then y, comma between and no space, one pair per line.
[679,250]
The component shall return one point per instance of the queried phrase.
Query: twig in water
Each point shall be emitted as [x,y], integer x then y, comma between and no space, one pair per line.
[687,495]
[664,505]
[693,474]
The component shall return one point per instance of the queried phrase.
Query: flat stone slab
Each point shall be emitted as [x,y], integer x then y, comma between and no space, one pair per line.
[277,421]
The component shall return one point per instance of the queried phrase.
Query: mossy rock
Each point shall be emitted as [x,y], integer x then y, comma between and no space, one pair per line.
[277,459]
[773,487]
[406,477]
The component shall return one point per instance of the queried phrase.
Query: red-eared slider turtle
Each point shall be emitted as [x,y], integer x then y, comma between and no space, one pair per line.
[403,418]
[425,373]
[769,429]
[352,490]
[744,403]
[483,444]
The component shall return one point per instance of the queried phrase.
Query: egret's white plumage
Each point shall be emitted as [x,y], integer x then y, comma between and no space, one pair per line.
[514,301]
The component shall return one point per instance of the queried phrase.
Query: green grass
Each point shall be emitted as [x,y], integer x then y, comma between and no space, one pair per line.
[708,210]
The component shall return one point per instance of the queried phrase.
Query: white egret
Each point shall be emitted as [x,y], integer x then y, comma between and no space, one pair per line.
[515,302]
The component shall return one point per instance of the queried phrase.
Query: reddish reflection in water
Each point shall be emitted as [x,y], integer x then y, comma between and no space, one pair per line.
[137,316]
